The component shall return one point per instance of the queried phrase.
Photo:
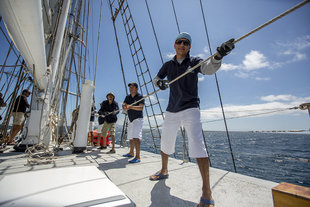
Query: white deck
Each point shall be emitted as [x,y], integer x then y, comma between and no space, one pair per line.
[183,188]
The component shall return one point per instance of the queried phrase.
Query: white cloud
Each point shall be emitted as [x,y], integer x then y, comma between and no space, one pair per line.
[228,67]
[255,60]
[252,61]
[200,78]
[170,55]
[206,50]
[285,97]
[292,51]
[152,98]
[201,55]
[242,74]
[300,43]
[276,104]
[262,78]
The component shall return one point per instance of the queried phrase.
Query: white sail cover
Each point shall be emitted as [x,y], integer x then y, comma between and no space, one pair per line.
[24,22]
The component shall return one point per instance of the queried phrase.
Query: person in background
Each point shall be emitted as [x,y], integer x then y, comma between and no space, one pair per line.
[19,110]
[99,130]
[110,109]
[135,115]
[183,108]
[91,125]
[2,104]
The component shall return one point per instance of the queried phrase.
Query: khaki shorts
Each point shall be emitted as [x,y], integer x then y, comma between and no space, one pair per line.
[108,127]
[18,118]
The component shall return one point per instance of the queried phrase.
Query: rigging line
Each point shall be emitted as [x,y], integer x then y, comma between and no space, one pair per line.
[218,90]
[3,66]
[147,6]
[249,115]
[205,60]
[10,42]
[92,36]
[11,104]
[8,83]
[98,43]
[175,16]
[118,48]
[273,20]
[227,111]
[242,37]
[160,53]
[65,99]
[86,52]
[10,66]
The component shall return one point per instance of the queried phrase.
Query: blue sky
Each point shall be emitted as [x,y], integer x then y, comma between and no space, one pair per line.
[267,71]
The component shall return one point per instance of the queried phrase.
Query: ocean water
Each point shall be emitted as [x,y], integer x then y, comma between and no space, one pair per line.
[278,157]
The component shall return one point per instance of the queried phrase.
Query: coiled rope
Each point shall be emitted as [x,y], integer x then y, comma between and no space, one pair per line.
[39,154]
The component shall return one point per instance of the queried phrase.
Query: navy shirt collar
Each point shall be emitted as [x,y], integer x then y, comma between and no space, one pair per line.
[186,57]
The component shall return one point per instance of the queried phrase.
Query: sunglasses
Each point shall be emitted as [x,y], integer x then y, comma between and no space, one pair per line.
[185,42]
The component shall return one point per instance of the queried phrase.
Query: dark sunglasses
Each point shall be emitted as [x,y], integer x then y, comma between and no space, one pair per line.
[185,42]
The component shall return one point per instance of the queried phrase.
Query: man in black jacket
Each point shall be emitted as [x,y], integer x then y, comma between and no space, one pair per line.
[109,109]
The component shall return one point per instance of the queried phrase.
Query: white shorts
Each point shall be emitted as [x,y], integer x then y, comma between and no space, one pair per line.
[134,129]
[190,119]
[91,126]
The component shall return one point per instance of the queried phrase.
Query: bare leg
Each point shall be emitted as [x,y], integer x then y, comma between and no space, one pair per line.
[15,129]
[132,147]
[203,164]
[91,139]
[104,140]
[113,143]
[98,140]
[137,146]
[164,165]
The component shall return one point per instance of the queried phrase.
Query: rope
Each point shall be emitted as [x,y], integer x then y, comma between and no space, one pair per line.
[39,154]
[11,66]
[219,92]
[237,40]
[122,141]
[269,112]
[175,16]
[147,6]
[98,43]
[10,43]
[118,49]
[273,20]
